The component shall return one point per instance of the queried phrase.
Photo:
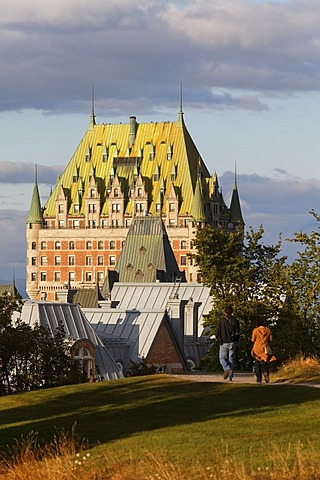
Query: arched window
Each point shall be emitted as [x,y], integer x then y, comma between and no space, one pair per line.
[89,245]
[112,245]
[83,352]
[183,244]
[100,245]
[33,246]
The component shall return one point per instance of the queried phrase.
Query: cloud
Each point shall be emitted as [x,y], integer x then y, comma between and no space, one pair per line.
[280,205]
[137,53]
[24,172]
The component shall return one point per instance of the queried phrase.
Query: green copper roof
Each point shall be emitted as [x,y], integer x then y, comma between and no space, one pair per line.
[147,255]
[35,212]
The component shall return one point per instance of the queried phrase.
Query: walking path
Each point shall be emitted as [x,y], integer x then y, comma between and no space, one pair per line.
[238,378]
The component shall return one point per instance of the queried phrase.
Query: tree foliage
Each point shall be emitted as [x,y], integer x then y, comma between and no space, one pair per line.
[304,275]
[251,277]
[31,358]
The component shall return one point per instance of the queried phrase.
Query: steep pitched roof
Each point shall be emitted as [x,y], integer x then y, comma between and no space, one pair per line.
[150,148]
[142,296]
[147,255]
[235,207]
[137,328]
[76,326]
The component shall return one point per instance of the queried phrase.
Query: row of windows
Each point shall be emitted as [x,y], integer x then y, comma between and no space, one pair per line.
[88,277]
[100,245]
[72,260]
[72,245]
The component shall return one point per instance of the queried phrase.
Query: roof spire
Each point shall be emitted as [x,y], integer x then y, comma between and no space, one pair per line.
[92,116]
[180,110]
[235,206]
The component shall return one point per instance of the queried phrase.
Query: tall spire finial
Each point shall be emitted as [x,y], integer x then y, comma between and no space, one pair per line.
[235,174]
[92,116]
[92,101]
[181,111]
[36,174]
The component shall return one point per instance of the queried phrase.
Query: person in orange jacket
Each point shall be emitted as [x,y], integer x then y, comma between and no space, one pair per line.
[261,350]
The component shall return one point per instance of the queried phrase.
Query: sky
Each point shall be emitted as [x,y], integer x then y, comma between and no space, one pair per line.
[250,75]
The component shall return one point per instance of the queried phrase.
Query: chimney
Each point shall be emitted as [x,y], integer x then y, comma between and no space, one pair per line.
[132,132]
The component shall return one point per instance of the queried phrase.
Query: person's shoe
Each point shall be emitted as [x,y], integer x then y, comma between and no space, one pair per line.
[227,373]
[266,377]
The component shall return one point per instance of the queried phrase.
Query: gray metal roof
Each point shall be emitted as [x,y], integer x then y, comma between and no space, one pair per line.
[76,326]
[137,327]
[156,296]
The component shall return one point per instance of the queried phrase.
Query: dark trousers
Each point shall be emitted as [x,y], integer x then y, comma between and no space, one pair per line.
[260,367]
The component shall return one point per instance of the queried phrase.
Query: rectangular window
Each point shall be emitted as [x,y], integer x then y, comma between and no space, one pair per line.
[43,276]
[100,260]
[92,208]
[112,260]
[183,260]
[71,276]
[61,223]
[43,261]
[57,260]
[57,276]
[34,261]
[88,261]
[100,277]
[71,260]
[75,223]
[33,277]
[172,207]
[88,276]
[61,208]
[116,207]
[76,208]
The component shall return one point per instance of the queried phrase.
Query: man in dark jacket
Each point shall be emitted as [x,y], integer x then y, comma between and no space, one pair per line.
[227,334]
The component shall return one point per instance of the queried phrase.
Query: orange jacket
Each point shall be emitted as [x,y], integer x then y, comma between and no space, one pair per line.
[261,337]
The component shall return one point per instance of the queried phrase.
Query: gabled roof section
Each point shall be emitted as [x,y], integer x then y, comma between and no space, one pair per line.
[139,329]
[147,255]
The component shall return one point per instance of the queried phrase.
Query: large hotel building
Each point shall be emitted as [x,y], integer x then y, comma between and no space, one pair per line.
[120,172]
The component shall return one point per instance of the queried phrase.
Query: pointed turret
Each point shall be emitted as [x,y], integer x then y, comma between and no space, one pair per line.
[198,211]
[235,207]
[35,212]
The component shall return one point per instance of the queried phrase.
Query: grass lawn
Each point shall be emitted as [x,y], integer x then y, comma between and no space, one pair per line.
[184,422]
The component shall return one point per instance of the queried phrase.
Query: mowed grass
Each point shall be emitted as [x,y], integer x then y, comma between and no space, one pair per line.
[186,424]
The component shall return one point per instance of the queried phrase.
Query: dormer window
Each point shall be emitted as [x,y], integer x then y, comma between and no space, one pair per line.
[88,155]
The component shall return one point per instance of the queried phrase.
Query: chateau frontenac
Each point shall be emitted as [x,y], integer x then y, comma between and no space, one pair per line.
[118,173]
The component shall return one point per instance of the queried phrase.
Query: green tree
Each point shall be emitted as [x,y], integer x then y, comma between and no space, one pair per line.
[305,287]
[32,358]
[243,272]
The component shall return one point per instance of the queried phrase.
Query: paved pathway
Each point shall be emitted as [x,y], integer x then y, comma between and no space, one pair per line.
[238,378]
